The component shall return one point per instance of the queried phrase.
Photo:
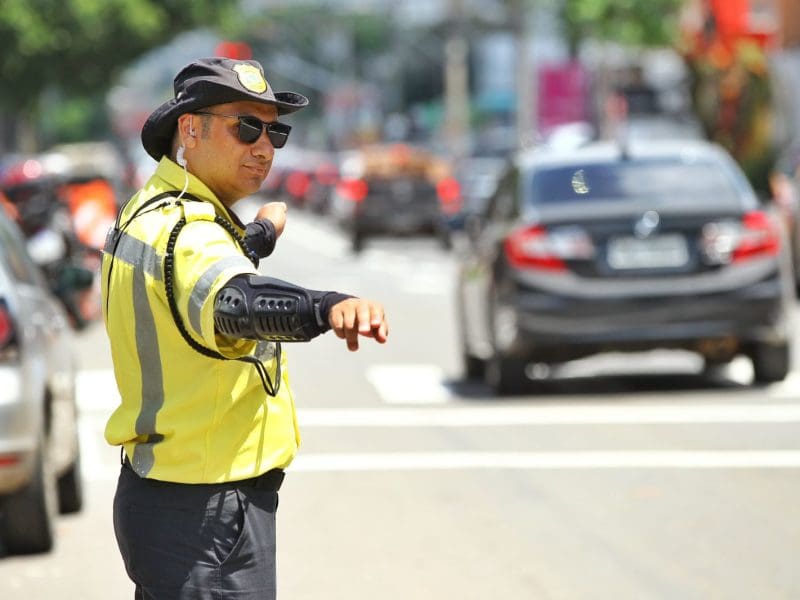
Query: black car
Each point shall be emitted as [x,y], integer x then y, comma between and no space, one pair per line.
[609,248]
[394,190]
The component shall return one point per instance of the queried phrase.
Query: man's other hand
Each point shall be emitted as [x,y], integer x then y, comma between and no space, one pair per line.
[275,212]
[354,317]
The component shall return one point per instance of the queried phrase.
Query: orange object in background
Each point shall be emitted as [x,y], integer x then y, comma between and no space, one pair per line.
[93,208]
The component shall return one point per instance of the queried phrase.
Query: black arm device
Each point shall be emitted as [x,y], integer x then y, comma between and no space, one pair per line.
[264,308]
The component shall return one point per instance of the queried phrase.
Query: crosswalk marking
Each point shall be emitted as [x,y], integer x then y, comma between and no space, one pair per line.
[599,459]
[97,395]
[409,384]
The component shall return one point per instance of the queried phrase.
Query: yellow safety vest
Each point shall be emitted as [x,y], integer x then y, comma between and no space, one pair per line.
[186,417]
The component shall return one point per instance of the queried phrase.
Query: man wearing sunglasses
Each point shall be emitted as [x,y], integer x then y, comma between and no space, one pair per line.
[206,421]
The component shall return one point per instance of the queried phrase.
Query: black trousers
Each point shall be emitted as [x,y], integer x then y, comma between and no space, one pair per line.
[198,542]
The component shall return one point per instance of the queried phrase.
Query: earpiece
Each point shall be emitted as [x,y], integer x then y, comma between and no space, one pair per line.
[191,127]
[180,159]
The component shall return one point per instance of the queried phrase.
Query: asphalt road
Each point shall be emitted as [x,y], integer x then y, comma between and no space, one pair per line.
[627,477]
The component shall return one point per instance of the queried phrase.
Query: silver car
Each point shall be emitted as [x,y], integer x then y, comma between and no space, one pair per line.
[39,452]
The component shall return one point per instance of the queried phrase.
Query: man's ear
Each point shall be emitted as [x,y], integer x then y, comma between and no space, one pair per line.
[186,131]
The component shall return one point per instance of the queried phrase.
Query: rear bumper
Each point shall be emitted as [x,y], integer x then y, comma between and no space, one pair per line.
[19,437]
[560,327]
[16,464]
[398,223]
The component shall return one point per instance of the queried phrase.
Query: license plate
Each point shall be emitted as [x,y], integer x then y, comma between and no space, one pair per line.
[660,252]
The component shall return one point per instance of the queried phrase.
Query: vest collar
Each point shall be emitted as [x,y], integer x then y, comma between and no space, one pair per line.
[174,177]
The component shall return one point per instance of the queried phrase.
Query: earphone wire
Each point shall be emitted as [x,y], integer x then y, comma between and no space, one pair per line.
[182,162]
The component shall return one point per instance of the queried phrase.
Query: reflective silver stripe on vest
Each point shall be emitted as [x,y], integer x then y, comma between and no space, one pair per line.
[145,261]
[152,377]
[139,254]
[202,288]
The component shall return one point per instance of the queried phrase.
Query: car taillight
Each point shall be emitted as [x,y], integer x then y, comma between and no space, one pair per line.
[353,189]
[537,248]
[449,192]
[760,237]
[297,184]
[756,235]
[9,460]
[8,337]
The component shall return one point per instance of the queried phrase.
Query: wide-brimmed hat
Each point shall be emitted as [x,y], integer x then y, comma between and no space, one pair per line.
[206,82]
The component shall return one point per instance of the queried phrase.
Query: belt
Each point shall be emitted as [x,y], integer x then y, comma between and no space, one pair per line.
[271,480]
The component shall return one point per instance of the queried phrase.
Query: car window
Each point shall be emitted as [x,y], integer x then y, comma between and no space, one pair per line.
[658,181]
[22,268]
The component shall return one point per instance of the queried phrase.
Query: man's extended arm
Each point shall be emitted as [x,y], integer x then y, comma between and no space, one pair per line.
[263,308]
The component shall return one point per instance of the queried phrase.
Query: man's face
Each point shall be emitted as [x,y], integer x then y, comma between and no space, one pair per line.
[231,168]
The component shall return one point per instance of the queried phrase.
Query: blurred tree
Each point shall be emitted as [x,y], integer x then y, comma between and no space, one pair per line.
[628,22]
[77,46]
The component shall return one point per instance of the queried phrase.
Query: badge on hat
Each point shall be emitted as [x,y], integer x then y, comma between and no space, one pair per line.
[251,78]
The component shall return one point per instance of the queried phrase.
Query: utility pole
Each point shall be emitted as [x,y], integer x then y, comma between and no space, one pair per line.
[456,82]
[526,84]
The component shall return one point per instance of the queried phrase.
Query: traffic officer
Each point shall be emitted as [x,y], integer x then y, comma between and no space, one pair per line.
[207,418]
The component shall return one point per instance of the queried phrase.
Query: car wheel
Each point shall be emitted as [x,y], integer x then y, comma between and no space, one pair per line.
[474,367]
[70,488]
[28,514]
[770,362]
[506,376]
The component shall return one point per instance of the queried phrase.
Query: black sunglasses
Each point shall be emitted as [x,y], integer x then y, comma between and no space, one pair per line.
[250,129]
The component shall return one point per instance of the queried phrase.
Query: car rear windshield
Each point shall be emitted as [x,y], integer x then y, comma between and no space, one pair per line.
[656,181]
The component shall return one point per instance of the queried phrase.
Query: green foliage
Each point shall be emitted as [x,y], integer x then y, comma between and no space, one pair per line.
[629,22]
[78,46]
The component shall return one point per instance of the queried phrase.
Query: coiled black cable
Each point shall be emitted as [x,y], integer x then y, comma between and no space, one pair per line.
[169,268]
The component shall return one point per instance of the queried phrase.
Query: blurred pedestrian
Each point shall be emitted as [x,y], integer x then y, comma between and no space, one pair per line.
[207,420]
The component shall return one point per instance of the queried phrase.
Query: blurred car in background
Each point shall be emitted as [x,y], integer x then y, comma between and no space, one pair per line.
[303,178]
[64,202]
[605,248]
[39,451]
[395,190]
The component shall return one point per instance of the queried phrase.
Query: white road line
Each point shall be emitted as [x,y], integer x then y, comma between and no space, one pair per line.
[409,384]
[97,394]
[96,390]
[461,461]
[556,414]
[634,459]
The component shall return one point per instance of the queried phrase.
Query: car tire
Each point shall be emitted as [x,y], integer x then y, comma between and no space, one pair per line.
[70,488]
[474,367]
[28,515]
[506,375]
[770,362]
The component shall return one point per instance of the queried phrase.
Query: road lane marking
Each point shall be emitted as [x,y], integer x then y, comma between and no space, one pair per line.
[566,414]
[108,470]
[97,394]
[409,384]
[635,459]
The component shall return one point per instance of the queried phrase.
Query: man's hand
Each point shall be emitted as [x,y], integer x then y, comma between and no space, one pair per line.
[275,212]
[355,316]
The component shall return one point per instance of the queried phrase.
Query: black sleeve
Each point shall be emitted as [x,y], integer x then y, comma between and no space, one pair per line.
[260,237]
[263,308]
